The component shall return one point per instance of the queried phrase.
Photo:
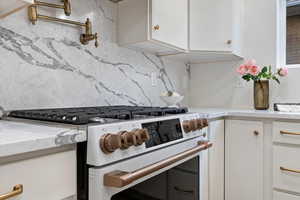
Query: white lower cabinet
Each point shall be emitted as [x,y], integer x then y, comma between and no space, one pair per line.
[47,177]
[216,160]
[284,196]
[243,160]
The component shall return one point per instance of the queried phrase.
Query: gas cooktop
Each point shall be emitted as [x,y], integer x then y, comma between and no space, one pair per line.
[103,114]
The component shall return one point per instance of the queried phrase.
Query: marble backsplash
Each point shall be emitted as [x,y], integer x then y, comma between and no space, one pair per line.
[44,65]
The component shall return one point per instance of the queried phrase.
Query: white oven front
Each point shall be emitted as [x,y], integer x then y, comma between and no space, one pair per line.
[177,172]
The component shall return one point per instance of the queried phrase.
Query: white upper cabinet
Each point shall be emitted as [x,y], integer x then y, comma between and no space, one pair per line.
[193,31]
[171,16]
[153,25]
[215,31]
[210,25]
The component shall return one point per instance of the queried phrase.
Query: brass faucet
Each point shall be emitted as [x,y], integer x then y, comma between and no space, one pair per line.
[84,38]
[88,35]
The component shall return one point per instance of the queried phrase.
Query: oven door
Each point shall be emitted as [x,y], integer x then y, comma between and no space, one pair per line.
[178,172]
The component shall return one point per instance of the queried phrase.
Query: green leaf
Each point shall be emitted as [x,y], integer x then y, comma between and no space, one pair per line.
[276,79]
[264,70]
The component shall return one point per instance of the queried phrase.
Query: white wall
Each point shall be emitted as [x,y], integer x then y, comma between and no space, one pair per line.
[215,85]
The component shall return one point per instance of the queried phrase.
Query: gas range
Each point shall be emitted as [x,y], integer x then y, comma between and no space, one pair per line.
[119,132]
[127,144]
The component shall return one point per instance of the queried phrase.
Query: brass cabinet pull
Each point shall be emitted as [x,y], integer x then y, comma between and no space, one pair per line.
[120,179]
[256,133]
[288,133]
[290,170]
[17,189]
[156,27]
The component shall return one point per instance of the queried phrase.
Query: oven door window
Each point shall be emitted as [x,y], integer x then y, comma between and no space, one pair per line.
[178,183]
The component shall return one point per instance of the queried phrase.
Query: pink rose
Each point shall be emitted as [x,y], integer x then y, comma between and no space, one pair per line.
[242,70]
[283,71]
[250,63]
[254,70]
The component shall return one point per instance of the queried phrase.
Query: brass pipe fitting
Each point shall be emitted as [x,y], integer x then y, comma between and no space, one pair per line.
[66,6]
[84,38]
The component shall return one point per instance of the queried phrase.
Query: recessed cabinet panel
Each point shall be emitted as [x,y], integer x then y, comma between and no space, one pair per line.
[286,168]
[286,132]
[244,160]
[49,177]
[211,25]
[170,22]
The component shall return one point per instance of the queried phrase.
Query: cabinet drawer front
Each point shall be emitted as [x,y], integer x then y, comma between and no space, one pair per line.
[51,177]
[286,132]
[286,168]
[284,196]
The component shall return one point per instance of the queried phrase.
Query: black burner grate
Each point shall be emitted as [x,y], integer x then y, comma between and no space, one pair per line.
[83,115]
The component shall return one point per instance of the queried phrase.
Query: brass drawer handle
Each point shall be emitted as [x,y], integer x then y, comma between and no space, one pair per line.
[289,170]
[288,133]
[17,189]
[120,179]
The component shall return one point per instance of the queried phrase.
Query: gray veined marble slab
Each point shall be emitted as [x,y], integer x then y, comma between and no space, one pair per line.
[18,137]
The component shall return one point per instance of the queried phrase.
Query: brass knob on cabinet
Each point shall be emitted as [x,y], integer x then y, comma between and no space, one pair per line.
[229,42]
[156,27]
[142,135]
[256,133]
[128,139]
[110,142]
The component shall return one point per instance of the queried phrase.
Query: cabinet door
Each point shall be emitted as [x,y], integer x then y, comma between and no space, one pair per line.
[243,160]
[170,22]
[216,160]
[211,25]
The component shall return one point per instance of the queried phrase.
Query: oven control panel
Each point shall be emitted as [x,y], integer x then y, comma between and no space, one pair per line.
[161,132]
[112,142]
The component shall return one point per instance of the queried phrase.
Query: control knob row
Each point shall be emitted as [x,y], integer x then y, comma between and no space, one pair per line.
[195,124]
[123,140]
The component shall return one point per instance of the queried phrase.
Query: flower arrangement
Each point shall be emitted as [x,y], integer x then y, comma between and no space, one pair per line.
[250,71]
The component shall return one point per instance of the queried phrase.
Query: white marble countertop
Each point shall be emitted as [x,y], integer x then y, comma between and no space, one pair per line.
[212,113]
[19,137]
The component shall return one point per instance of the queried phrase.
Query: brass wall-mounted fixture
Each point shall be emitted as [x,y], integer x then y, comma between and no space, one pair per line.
[84,37]
[66,6]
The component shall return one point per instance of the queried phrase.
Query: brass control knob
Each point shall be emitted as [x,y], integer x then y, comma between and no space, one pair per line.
[186,126]
[200,124]
[193,124]
[128,139]
[110,142]
[142,135]
[205,123]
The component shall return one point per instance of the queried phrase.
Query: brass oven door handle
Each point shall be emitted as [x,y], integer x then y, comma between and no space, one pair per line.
[120,179]
[290,170]
[289,133]
[17,190]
